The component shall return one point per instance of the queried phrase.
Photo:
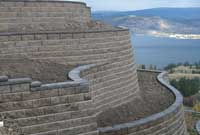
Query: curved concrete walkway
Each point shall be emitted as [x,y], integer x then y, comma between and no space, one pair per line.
[198,127]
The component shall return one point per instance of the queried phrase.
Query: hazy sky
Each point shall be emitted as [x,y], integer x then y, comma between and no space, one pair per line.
[138,4]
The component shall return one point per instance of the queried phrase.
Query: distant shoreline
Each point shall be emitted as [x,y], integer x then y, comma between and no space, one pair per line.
[172,35]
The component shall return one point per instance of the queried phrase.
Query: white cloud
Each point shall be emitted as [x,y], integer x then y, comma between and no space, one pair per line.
[139,4]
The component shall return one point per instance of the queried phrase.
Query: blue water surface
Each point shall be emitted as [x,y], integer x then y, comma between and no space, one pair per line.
[161,51]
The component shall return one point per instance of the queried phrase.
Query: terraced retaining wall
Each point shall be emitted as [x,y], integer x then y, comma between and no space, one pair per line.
[72,107]
[95,44]
[63,33]
[168,122]
[112,47]
[111,84]
[62,108]
[68,48]
[40,15]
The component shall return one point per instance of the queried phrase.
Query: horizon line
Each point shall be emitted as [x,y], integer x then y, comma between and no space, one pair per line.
[141,9]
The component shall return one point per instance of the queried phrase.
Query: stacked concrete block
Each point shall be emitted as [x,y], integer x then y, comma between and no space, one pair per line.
[63,32]
[171,121]
[112,47]
[28,16]
[36,109]
[111,87]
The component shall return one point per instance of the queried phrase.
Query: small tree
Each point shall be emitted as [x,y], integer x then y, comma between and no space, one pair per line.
[186,64]
[170,66]
[143,66]
[197,107]
[151,67]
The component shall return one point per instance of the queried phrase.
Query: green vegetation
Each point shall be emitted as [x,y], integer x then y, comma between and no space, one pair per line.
[150,67]
[187,87]
[186,78]
[193,67]
[191,119]
[197,107]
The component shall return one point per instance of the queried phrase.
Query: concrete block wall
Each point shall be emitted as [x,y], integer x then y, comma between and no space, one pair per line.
[28,30]
[33,108]
[73,107]
[68,48]
[112,84]
[29,16]
[111,47]
[168,122]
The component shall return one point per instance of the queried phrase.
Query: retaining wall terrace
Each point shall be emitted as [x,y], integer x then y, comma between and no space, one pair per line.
[168,122]
[153,99]
[112,84]
[68,48]
[72,49]
[73,107]
[112,47]
[33,15]
[62,108]
[63,33]
[97,45]
[46,72]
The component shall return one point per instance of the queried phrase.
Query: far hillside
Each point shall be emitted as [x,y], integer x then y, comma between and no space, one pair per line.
[166,20]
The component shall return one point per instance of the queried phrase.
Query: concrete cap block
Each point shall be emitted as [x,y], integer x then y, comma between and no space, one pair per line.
[1,124]
[3,78]
[36,84]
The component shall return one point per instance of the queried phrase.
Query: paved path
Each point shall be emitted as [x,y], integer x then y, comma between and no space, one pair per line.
[198,127]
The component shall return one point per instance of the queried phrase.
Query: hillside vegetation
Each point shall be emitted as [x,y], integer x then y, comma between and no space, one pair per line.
[158,21]
[185,77]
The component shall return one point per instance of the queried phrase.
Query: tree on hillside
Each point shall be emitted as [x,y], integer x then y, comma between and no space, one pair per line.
[187,87]
[143,66]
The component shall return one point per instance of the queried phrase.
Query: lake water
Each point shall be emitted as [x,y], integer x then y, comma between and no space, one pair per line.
[161,51]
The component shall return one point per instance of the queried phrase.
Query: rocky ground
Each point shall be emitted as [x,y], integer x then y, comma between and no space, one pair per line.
[44,71]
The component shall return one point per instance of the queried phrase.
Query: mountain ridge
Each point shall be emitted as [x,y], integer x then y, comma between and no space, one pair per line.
[156,11]
[164,20]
